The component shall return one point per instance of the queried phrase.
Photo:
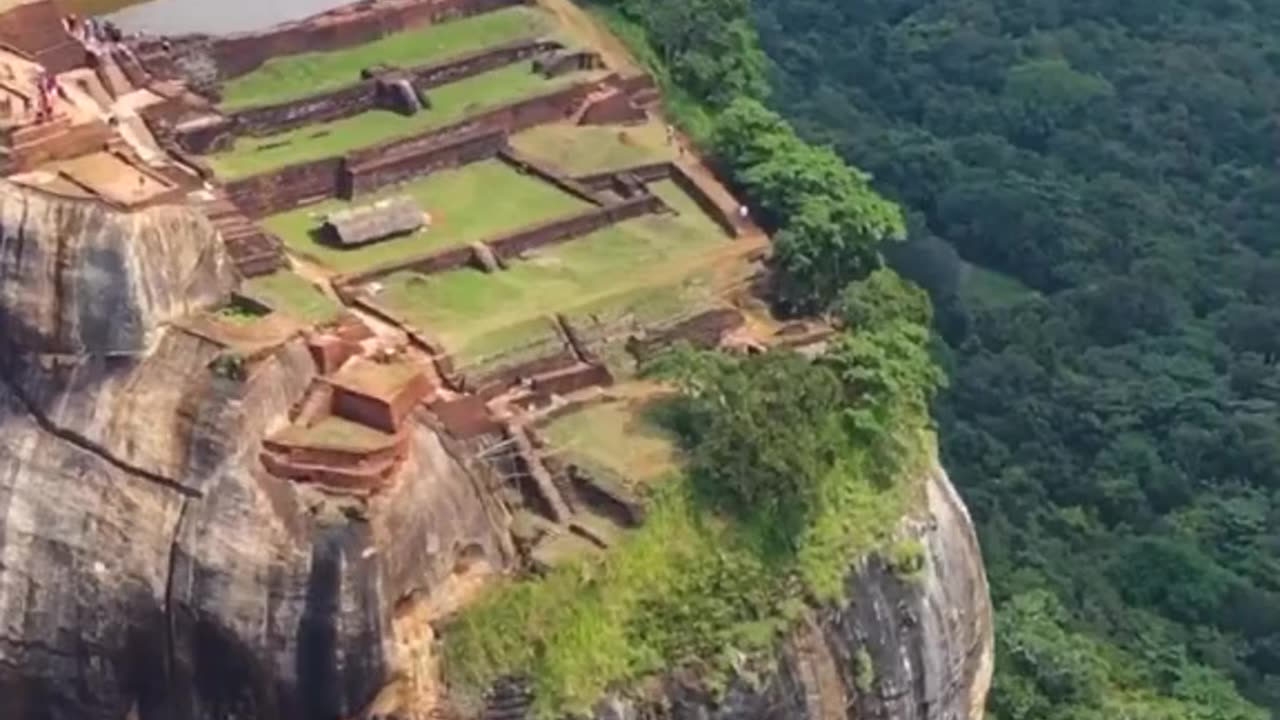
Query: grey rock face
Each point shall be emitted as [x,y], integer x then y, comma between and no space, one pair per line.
[148,568]
[918,648]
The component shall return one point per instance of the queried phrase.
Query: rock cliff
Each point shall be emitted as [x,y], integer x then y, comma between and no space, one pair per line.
[901,648]
[149,570]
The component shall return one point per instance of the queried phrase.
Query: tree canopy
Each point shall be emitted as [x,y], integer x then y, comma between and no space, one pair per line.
[1091,196]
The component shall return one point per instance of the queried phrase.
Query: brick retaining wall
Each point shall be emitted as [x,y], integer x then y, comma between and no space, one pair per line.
[362,95]
[206,60]
[722,217]
[290,187]
[525,164]
[287,188]
[564,229]
[271,119]
[380,172]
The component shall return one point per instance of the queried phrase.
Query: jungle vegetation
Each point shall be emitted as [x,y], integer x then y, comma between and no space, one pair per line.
[1090,195]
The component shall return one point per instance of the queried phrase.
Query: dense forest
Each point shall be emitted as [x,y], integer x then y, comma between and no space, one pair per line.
[1090,193]
[1094,206]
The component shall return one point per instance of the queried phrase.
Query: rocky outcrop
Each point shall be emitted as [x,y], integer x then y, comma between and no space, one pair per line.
[148,568]
[918,647]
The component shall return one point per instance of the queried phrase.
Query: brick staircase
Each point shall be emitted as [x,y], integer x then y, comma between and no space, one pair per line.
[253,250]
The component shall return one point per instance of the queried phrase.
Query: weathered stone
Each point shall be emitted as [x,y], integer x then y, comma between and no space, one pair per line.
[147,565]
[928,638]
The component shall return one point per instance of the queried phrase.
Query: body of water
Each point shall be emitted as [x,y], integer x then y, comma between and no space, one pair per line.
[215,17]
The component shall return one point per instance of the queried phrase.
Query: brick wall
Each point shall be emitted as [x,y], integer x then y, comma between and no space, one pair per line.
[704,331]
[380,172]
[558,231]
[271,119]
[493,383]
[426,77]
[35,28]
[362,96]
[290,187]
[525,164]
[204,135]
[651,172]
[722,216]
[285,189]
[615,108]
[466,417]
[342,28]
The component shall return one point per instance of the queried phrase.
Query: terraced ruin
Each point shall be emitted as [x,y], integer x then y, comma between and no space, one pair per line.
[343,321]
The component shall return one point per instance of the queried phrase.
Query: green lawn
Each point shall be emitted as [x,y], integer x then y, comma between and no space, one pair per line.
[290,294]
[450,103]
[296,76]
[460,306]
[618,435]
[585,149]
[462,206]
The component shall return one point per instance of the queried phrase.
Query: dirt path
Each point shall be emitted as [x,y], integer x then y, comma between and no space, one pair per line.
[580,23]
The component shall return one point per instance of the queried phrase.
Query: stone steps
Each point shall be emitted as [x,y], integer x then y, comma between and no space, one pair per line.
[253,250]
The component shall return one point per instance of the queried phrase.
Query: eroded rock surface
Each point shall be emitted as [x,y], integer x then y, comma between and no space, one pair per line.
[148,569]
[902,648]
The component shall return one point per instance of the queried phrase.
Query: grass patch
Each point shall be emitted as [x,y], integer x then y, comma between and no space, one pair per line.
[461,203]
[290,294]
[298,76]
[581,150]
[686,587]
[450,103]
[620,436]
[460,306]
[534,338]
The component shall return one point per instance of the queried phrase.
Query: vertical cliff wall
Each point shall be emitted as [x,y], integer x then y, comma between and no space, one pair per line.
[148,568]
[901,648]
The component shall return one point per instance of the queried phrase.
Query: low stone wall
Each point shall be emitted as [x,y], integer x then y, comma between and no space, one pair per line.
[467,417]
[654,172]
[570,380]
[525,164]
[380,172]
[722,217]
[558,231]
[651,172]
[206,60]
[362,95]
[290,187]
[615,108]
[271,119]
[705,330]
[287,188]
[495,382]
[426,77]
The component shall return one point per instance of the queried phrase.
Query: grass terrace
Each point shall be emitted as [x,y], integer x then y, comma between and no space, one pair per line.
[582,150]
[449,104]
[292,295]
[297,76]
[470,203]
[462,306]
[620,436]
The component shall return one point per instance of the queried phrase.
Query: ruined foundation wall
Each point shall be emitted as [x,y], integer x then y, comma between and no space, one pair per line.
[558,231]
[285,189]
[381,172]
[208,60]
[362,95]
